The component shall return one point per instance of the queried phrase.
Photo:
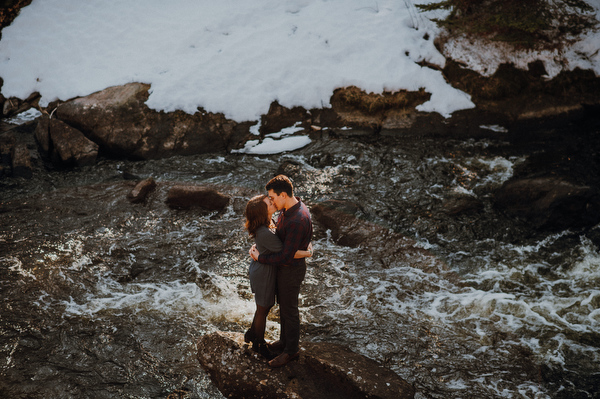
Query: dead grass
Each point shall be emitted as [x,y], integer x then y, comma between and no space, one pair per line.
[371,103]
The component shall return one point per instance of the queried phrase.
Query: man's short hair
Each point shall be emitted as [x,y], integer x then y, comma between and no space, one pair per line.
[279,184]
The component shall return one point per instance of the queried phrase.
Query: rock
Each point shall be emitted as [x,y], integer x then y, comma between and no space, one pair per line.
[369,112]
[343,219]
[323,370]
[42,134]
[13,106]
[521,97]
[10,106]
[141,190]
[118,119]
[280,117]
[70,145]
[7,143]
[291,169]
[550,202]
[461,204]
[21,161]
[349,227]
[190,196]
[64,143]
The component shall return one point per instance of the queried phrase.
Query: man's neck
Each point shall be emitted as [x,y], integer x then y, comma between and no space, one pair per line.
[291,201]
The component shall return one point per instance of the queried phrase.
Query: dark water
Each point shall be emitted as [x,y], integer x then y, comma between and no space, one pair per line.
[103,298]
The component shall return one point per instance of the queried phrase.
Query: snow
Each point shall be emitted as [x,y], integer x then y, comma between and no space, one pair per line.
[230,56]
[275,143]
[237,57]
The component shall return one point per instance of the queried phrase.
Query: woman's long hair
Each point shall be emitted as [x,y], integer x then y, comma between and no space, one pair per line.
[257,214]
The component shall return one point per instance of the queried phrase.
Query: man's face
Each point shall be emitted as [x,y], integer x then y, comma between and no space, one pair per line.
[277,200]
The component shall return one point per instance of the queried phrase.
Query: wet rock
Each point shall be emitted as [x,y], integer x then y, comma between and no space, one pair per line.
[550,202]
[190,196]
[370,112]
[13,106]
[63,143]
[70,146]
[517,97]
[291,169]
[21,161]
[343,218]
[118,119]
[280,117]
[141,190]
[7,143]
[349,226]
[323,370]
[42,134]
[10,106]
[461,204]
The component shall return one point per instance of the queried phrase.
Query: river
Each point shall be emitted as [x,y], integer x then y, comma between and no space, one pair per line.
[102,298]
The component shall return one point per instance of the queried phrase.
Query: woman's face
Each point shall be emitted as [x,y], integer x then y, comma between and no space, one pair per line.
[270,206]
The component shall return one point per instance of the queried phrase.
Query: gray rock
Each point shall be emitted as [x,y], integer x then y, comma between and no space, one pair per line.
[323,370]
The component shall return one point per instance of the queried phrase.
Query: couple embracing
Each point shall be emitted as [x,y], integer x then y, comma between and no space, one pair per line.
[278,266]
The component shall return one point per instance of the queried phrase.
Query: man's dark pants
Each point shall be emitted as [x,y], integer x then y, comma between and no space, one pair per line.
[289,280]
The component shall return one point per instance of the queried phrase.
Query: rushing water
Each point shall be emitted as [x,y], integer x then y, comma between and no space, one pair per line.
[103,298]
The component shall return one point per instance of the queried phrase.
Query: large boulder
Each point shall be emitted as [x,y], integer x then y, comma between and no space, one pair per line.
[323,370]
[550,202]
[118,119]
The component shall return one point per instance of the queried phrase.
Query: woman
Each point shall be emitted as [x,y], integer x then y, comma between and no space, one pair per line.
[259,211]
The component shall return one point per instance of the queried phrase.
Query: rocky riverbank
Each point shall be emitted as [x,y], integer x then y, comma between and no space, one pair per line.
[555,120]
[512,103]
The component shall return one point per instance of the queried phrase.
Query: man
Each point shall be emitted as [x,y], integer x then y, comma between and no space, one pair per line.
[294,229]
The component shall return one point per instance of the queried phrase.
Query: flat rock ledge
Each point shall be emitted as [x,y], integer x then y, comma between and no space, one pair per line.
[323,370]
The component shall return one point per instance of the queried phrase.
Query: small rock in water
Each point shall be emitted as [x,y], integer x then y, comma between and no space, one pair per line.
[190,196]
[141,190]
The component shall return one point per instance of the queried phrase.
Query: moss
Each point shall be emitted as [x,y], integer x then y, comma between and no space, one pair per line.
[522,23]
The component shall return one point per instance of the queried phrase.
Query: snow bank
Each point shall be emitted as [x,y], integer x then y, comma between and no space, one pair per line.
[230,56]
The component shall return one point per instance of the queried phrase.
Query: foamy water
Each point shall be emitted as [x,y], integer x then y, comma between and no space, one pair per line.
[480,318]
